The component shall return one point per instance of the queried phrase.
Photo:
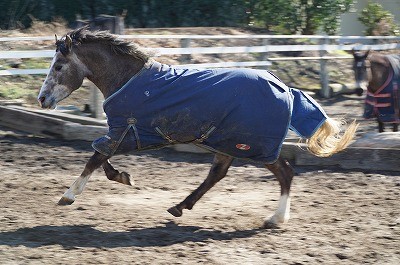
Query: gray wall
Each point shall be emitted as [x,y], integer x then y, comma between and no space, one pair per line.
[350,24]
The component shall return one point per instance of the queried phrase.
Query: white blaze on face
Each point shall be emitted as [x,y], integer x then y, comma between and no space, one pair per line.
[52,91]
[48,77]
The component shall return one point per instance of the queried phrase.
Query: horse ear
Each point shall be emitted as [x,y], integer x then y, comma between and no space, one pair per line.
[366,53]
[68,43]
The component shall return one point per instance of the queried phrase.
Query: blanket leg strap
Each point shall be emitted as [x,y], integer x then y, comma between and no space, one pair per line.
[166,137]
[205,135]
[131,125]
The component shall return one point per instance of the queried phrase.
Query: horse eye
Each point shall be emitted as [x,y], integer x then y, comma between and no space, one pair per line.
[58,67]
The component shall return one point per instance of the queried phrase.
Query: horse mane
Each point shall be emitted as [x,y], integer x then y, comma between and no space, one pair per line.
[84,35]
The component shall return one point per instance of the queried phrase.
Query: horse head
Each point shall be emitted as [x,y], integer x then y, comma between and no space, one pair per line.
[65,75]
[103,58]
[360,69]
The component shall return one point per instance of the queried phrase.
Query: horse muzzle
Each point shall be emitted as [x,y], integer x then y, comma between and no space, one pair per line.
[46,102]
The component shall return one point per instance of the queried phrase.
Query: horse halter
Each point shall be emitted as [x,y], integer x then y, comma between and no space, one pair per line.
[362,64]
[361,74]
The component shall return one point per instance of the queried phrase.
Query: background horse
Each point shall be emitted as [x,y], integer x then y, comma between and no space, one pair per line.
[383,96]
[163,108]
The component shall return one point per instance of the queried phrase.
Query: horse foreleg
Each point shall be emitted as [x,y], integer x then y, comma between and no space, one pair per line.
[284,173]
[217,172]
[115,175]
[77,187]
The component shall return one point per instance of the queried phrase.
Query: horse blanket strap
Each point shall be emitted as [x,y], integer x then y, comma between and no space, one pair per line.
[384,104]
[244,113]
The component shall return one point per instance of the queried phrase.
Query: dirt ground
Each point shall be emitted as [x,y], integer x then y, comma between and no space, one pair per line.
[338,217]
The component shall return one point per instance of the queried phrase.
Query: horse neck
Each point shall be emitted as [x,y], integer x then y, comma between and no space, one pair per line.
[378,77]
[108,71]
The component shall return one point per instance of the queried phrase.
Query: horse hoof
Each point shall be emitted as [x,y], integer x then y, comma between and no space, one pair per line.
[270,225]
[175,211]
[65,201]
[126,178]
[123,178]
[275,222]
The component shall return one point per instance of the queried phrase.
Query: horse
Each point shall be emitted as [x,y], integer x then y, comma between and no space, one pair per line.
[383,96]
[234,113]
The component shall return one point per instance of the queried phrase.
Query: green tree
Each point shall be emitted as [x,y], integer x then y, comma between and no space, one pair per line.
[14,12]
[377,20]
[302,16]
[297,16]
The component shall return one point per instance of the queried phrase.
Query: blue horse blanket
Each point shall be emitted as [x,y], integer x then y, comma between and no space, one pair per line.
[384,103]
[244,113]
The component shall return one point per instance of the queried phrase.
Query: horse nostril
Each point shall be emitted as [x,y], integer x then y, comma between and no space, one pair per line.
[41,100]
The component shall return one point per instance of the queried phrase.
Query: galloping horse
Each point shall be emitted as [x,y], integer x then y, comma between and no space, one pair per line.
[235,113]
[383,95]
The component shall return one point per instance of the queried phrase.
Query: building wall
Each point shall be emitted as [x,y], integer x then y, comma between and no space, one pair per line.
[349,21]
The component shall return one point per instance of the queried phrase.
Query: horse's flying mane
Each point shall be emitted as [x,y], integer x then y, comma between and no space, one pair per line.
[84,35]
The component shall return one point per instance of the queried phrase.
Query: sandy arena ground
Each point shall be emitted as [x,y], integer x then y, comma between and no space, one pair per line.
[338,217]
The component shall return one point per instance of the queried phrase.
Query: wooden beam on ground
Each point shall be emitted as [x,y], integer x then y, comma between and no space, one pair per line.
[75,131]
[64,116]
[31,122]
[372,152]
[379,140]
[356,158]
[365,158]
[42,125]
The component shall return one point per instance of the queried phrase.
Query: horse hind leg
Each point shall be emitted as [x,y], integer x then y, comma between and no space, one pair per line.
[115,175]
[284,173]
[217,172]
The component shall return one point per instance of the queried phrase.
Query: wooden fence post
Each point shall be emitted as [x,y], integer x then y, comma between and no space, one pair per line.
[264,56]
[116,27]
[96,102]
[185,58]
[324,76]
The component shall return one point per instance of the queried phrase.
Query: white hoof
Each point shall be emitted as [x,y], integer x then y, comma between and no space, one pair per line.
[279,219]
[276,220]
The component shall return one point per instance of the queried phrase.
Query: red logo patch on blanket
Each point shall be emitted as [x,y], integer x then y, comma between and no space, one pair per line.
[243,147]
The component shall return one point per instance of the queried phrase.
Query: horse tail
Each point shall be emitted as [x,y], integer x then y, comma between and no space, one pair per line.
[329,138]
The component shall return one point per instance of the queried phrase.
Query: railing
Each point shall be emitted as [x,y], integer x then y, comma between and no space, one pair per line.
[344,43]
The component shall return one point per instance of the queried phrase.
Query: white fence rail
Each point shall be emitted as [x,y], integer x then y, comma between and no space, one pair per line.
[242,36]
[222,50]
[342,43]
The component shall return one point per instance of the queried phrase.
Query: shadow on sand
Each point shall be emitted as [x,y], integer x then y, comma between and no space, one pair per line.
[87,236]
